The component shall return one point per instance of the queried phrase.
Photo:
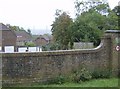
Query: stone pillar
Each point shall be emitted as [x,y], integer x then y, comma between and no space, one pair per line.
[115,50]
[0,60]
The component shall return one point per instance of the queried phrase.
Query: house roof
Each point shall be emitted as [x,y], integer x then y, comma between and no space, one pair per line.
[34,37]
[22,36]
[3,27]
[47,37]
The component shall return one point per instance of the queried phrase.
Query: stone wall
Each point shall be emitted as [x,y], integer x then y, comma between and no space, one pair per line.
[115,41]
[41,66]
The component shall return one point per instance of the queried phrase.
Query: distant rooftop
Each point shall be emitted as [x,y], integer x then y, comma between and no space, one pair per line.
[3,27]
[47,37]
[22,35]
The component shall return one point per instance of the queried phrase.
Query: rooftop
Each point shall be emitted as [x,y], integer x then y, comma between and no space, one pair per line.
[3,27]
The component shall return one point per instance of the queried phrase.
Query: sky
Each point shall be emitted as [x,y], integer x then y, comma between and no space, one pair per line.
[37,15]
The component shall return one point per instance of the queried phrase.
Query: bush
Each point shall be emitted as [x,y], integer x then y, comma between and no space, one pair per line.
[29,44]
[81,76]
[57,80]
[51,46]
[101,74]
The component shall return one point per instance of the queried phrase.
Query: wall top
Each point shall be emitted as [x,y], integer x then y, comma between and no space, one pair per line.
[112,31]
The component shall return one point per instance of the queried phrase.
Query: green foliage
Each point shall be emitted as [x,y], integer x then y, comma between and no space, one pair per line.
[92,19]
[86,28]
[29,44]
[29,31]
[15,28]
[44,48]
[101,83]
[57,80]
[101,74]
[51,47]
[60,30]
[113,18]
[54,46]
[81,76]
[91,5]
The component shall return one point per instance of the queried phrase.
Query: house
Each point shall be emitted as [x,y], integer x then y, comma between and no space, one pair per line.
[22,38]
[43,40]
[7,37]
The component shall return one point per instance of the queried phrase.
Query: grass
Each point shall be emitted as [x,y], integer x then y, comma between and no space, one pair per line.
[113,82]
[92,83]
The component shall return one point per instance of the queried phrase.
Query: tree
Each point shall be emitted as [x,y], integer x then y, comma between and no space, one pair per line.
[29,31]
[84,6]
[91,21]
[113,18]
[15,28]
[60,29]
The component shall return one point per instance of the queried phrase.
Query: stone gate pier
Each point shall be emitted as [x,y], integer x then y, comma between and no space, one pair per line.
[115,50]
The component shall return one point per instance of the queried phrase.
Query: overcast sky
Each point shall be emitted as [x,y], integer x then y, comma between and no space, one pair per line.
[36,14]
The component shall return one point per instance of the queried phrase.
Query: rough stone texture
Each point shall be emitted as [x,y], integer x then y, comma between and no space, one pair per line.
[115,36]
[41,66]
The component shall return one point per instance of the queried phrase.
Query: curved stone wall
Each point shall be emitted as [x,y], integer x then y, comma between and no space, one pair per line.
[41,66]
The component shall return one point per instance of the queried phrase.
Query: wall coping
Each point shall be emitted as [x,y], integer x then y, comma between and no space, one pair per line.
[112,31]
[58,52]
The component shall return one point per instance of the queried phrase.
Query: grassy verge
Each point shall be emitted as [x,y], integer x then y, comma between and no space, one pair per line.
[92,83]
